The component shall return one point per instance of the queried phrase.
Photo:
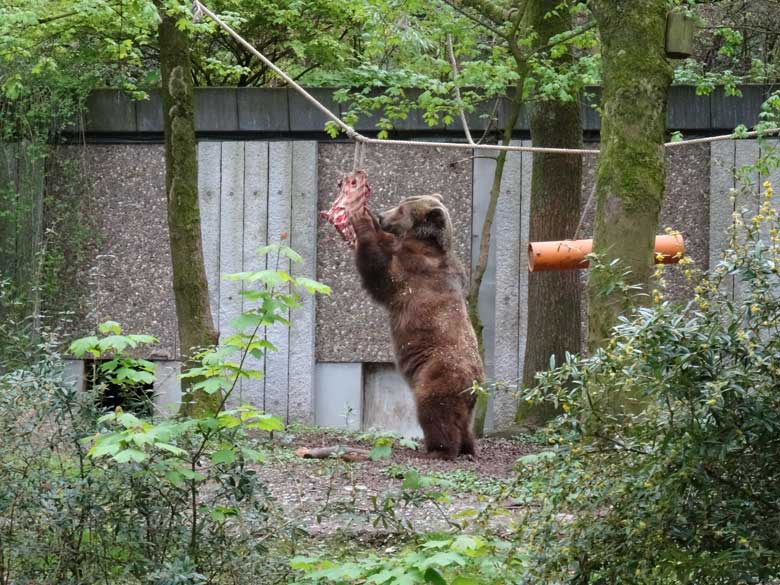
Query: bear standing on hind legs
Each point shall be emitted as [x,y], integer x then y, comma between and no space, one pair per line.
[406,263]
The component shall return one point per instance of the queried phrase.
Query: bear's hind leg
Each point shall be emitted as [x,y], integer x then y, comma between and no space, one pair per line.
[442,436]
[467,443]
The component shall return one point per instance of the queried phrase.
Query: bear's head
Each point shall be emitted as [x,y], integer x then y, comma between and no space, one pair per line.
[421,217]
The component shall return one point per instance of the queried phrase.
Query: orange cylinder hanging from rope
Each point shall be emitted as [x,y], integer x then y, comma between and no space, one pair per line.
[570,254]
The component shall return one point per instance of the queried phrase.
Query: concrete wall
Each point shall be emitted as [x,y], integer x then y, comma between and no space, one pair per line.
[334,365]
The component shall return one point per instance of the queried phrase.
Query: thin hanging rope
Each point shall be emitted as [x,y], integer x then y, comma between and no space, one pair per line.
[199,7]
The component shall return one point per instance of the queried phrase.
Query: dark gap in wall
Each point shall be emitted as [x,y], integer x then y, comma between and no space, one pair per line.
[137,398]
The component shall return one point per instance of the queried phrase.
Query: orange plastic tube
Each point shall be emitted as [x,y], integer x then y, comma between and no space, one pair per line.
[570,254]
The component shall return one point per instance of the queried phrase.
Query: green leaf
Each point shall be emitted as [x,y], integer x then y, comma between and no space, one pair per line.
[267,422]
[81,347]
[191,475]
[105,445]
[465,581]
[110,327]
[381,451]
[443,559]
[130,455]
[252,454]
[170,448]
[312,286]
[431,575]
[411,480]
[223,456]
[212,385]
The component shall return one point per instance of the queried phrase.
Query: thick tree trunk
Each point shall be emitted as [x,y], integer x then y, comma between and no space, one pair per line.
[553,297]
[190,287]
[630,181]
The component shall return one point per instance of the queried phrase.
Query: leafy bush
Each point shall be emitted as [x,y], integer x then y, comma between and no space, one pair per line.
[672,474]
[122,499]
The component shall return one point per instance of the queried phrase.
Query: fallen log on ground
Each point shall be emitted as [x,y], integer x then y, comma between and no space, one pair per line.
[350,454]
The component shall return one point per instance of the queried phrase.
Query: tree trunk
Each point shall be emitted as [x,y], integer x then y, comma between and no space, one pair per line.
[630,180]
[553,297]
[190,287]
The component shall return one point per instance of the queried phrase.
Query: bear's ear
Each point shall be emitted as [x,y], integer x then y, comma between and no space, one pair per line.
[436,226]
[437,196]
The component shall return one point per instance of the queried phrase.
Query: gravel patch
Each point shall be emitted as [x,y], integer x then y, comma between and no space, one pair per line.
[325,497]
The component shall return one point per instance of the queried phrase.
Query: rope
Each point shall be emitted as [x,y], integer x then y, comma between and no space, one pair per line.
[199,8]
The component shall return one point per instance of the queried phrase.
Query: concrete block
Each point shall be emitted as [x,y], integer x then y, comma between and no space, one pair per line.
[388,403]
[167,387]
[484,169]
[110,111]
[280,172]
[522,269]
[727,112]
[770,147]
[231,234]
[482,115]
[415,121]
[149,113]
[255,231]
[508,258]
[263,109]
[687,111]
[216,109]
[338,395]
[722,160]
[303,239]
[209,189]
[73,374]
[304,117]
[746,155]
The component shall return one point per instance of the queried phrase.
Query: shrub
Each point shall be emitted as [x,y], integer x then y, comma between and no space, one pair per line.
[118,498]
[671,472]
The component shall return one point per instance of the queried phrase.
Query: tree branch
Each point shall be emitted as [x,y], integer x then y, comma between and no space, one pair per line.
[473,19]
[562,38]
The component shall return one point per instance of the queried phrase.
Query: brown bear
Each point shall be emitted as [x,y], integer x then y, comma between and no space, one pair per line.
[406,263]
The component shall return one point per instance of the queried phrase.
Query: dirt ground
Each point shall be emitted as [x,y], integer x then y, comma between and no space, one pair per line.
[327,496]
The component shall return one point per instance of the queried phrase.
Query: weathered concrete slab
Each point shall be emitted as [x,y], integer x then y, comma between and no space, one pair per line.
[280,173]
[746,155]
[508,253]
[303,239]
[110,111]
[263,109]
[209,190]
[388,403]
[231,234]
[167,387]
[73,374]
[127,267]
[255,236]
[304,117]
[338,395]
[483,172]
[350,327]
[216,109]
[686,208]
[149,113]
[721,204]
[687,111]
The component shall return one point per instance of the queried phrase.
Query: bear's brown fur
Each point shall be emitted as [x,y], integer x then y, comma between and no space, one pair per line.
[406,263]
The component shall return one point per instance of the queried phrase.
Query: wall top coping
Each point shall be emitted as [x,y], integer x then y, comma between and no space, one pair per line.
[282,112]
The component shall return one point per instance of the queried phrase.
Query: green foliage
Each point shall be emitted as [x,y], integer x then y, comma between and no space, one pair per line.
[671,474]
[120,497]
[440,559]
